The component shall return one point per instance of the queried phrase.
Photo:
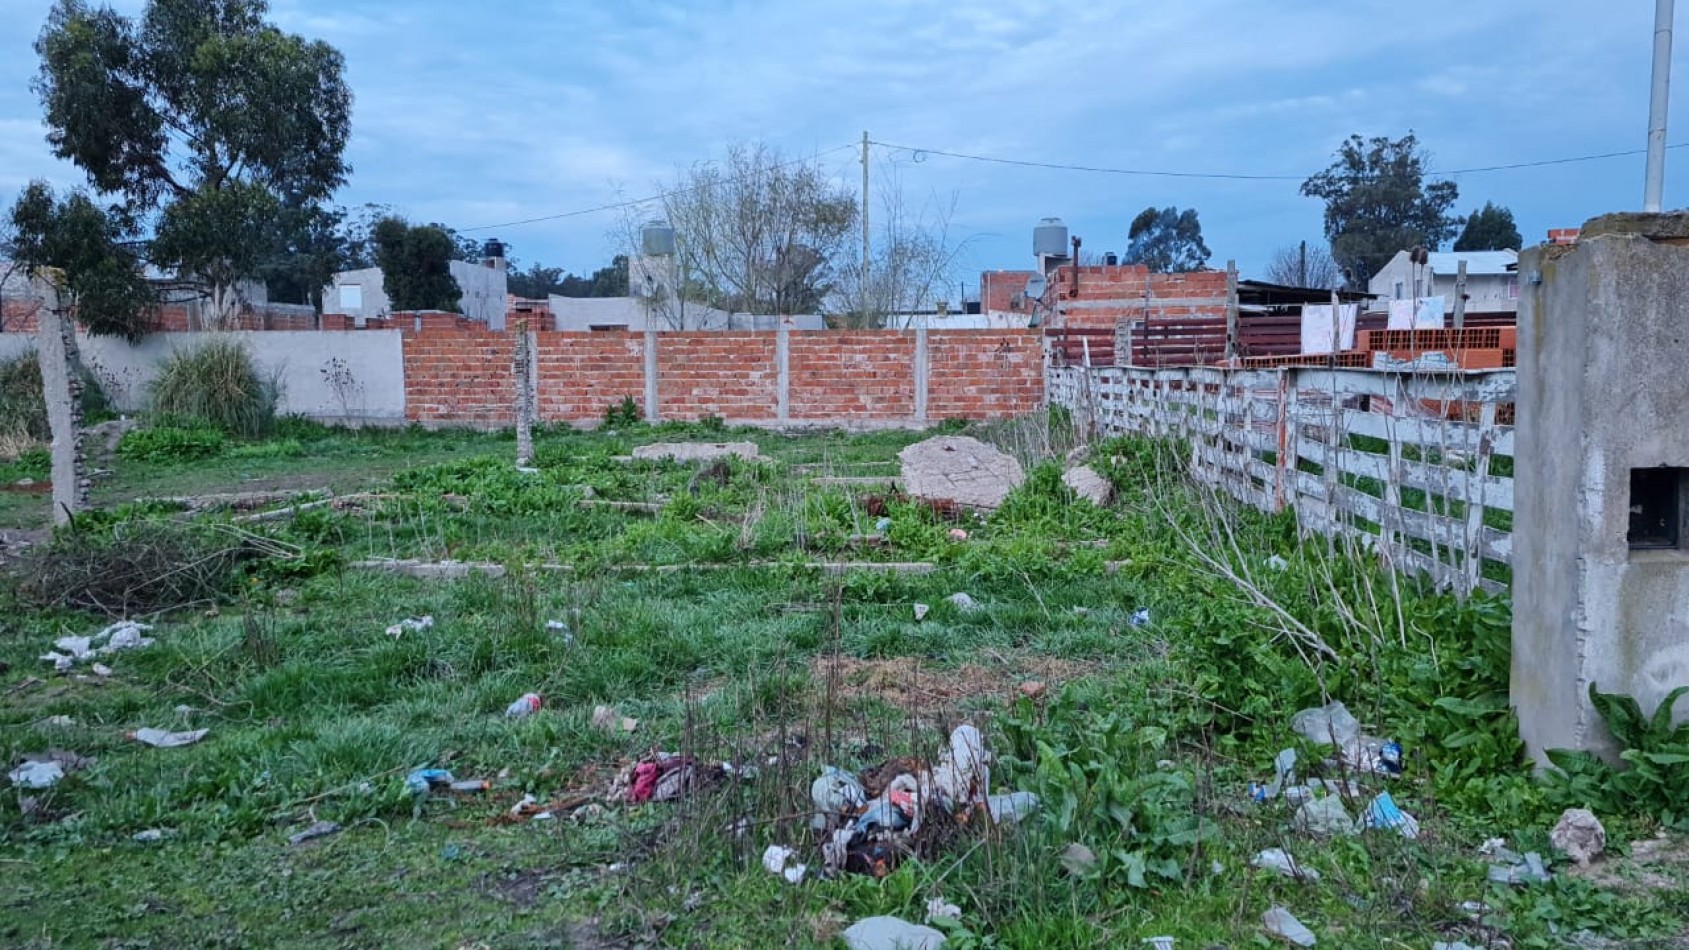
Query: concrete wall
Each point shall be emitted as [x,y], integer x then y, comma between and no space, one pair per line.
[1601,344]
[370,370]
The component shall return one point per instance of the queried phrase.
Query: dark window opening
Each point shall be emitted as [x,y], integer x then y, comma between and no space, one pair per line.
[1656,507]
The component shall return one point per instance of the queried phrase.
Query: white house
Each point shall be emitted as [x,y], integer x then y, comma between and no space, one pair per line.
[359,293]
[1490,286]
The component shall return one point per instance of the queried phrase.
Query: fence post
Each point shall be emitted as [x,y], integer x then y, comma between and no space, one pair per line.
[1231,309]
[782,372]
[923,373]
[1475,499]
[651,407]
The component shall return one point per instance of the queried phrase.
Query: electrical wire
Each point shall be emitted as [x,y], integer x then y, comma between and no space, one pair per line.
[1235,176]
[636,202]
[920,153]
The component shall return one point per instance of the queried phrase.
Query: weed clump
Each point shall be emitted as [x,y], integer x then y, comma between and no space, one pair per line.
[216,386]
[170,444]
[136,567]
[23,408]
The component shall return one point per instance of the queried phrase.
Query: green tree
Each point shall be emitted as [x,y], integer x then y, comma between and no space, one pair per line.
[200,115]
[1167,241]
[305,251]
[1490,228]
[1378,202]
[84,251]
[610,281]
[415,266]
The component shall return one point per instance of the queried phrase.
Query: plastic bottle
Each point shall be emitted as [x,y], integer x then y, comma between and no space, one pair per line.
[528,704]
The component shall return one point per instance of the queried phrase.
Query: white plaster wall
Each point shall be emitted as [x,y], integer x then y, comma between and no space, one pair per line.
[371,364]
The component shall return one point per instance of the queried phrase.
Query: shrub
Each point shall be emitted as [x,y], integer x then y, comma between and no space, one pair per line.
[170,444]
[216,386]
[23,409]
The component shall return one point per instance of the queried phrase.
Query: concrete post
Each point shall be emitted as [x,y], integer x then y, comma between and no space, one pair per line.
[62,389]
[923,371]
[1601,462]
[783,371]
[651,407]
[525,375]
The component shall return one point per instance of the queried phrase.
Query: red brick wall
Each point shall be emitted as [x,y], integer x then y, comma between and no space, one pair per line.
[583,374]
[731,374]
[999,288]
[851,374]
[459,375]
[984,374]
[1110,293]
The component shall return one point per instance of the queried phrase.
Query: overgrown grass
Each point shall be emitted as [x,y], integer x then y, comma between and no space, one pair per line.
[215,385]
[1141,743]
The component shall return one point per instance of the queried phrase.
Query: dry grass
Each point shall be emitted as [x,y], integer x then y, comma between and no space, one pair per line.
[909,683]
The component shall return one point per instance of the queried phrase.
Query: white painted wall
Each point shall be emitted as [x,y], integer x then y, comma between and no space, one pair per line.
[484,293]
[371,365]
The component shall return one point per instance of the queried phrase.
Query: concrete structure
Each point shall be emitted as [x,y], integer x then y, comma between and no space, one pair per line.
[1490,286]
[638,314]
[1601,562]
[360,294]
[356,378]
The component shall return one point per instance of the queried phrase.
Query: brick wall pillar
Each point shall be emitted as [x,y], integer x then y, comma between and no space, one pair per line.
[783,373]
[923,367]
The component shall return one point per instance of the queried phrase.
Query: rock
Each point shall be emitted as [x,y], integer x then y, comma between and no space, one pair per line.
[963,602]
[959,470]
[699,451]
[890,933]
[1089,485]
[1078,859]
[1580,834]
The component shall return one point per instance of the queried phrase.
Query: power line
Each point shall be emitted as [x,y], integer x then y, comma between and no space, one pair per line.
[636,202]
[1236,176]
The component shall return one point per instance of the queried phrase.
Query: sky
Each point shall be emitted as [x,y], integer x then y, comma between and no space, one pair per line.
[479,116]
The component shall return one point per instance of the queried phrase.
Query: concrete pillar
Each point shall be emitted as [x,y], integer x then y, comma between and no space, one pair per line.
[1601,496]
[62,388]
[923,369]
[651,407]
[783,371]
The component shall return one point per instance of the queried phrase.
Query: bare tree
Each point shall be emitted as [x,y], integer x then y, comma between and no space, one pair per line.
[1304,266]
[914,262]
[757,232]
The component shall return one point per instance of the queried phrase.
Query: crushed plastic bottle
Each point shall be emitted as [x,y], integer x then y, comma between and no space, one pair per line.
[526,705]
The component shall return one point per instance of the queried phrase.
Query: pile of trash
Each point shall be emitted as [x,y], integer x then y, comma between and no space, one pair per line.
[1319,801]
[867,824]
[123,635]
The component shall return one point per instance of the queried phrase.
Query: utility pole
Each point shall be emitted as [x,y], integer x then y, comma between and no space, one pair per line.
[1460,296]
[1302,265]
[866,251]
[1657,101]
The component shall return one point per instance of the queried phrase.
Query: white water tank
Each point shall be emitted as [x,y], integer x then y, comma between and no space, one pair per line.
[1049,238]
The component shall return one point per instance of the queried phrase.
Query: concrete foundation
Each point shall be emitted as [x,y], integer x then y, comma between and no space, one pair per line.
[1603,391]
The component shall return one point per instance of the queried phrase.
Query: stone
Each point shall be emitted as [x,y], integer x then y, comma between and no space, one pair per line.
[891,933]
[1580,835]
[959,470]
[699,451]
[1089,485]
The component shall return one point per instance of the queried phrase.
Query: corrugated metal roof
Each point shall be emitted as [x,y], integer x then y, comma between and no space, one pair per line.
[1477,262]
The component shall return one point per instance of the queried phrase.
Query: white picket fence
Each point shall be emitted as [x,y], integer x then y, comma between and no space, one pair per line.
[1404,463]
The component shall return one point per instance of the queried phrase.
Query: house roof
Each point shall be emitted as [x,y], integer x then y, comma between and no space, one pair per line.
[1477,262]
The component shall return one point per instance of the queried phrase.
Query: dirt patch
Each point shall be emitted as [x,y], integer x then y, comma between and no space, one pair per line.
[1654,864]
[913,683]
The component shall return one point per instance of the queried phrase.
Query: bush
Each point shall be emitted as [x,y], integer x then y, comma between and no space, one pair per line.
[23,409]
[216,386]
[170,444]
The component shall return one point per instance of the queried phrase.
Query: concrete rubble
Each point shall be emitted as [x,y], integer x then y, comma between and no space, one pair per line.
[698,451]
[961,471]
[1089,485]
[1580,835]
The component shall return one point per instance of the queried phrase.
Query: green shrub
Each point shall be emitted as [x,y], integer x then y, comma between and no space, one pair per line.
[23,410]
[216,386]
[170,444]
[623,415]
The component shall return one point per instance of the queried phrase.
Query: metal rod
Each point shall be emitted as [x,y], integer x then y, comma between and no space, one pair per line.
[1657,103]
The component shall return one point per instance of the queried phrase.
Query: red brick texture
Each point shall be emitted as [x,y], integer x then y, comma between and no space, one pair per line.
[583,374]
[984,374]
[459,376]
[731,374]
[859,375]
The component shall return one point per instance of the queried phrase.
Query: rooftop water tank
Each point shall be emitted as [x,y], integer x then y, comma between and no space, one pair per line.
[1050,238]
[657,239]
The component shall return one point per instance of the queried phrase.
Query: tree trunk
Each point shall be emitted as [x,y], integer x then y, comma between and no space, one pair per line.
[62,388]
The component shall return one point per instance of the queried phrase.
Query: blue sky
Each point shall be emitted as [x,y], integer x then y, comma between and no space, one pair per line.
[476,114]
